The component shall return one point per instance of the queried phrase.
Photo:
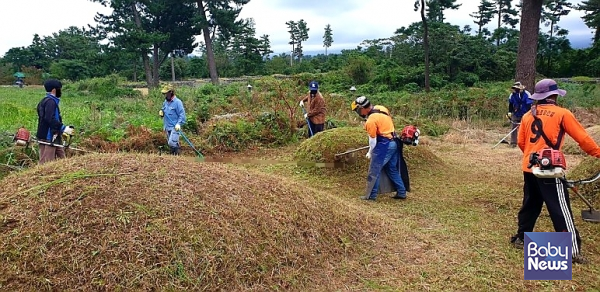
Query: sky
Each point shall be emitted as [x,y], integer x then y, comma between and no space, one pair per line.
[352,21]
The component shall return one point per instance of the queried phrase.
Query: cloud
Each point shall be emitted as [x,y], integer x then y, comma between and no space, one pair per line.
[352,21]
[22,19]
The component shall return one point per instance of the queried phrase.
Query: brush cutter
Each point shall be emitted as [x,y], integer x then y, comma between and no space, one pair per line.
[589,215]
[187,140]
[499,142]
[351,151]
[68,146]
[23,138]
[307,122]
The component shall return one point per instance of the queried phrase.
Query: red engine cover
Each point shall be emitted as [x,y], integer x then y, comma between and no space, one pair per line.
[550,158]
[22,134]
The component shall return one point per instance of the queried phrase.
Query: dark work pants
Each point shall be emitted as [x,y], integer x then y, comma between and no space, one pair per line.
[316,128]
[49,153]
[536,192]
[515,122]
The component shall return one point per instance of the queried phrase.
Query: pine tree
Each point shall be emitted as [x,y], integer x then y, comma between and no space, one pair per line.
[327,38]
[435,9]
[528,42]
[150,27]
[302,36]
[592,16]
[217,16]
[420,6]
[506,15]
[551,14]
[483,15]
[293,31]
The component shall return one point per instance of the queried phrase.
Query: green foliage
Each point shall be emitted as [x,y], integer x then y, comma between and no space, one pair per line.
[467,78]
[106,87]
[585,95]
[360,69]
[243,133]
[208,99]
[411,87]
[69,70]
[583,79]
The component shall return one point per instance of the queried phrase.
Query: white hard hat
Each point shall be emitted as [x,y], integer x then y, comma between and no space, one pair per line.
[352,88]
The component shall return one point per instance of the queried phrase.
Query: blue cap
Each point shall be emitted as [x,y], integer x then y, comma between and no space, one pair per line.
[313,86]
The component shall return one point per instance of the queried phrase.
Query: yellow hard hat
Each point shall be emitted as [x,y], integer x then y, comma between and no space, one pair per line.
[167,88]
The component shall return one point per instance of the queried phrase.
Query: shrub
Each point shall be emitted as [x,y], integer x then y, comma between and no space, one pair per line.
[105,87]
[411,87]
[360,69]
[467,78]
[241,133]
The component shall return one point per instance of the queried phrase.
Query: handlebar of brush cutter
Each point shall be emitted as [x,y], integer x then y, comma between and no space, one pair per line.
[572,183]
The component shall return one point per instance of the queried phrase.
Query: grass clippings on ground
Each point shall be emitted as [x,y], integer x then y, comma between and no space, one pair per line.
[144,222]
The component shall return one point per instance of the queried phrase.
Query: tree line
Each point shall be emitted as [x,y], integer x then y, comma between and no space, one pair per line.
[137,38]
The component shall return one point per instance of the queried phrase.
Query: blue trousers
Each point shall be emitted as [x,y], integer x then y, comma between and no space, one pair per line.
[385,158]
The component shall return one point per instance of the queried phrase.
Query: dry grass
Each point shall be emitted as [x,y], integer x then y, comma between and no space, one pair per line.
[571,147]
[107,222]
[144,90]
[125,221]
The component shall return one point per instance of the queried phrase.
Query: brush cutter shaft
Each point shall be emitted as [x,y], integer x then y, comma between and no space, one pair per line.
[506,136]
[187,140]
[307,122]
[62,146]
[352,151]
[588,203]
[590,215]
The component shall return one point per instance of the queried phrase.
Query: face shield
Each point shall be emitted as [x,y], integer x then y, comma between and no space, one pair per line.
[356,108]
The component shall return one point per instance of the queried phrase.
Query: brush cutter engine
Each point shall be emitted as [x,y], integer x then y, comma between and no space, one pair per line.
[410,135]
[22,137]
[548,163]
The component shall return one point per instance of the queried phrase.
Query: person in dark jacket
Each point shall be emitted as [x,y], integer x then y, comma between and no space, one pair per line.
[315,116]
[519,102]
[50,126]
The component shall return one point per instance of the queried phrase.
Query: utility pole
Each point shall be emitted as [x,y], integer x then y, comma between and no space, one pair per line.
[173,65]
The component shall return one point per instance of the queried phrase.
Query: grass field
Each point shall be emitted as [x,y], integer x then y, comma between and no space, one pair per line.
[270,226]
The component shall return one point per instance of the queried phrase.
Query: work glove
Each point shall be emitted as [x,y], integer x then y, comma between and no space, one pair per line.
[161,113]
[509,115]
[306,116]
[66,139]
[69,130]
[368,156]
[302,103]
[177,127]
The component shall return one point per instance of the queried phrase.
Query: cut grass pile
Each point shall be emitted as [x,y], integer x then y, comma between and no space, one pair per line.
[587,168]
[571,147]
[148,222]
[325,145]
